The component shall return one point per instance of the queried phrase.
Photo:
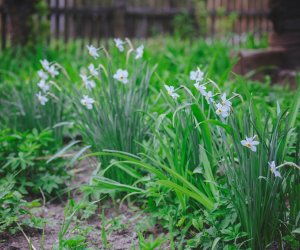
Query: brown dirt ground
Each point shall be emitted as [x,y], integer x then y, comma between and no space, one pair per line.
[125,238]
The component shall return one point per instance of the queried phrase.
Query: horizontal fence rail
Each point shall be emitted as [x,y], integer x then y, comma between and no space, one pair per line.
[95,20]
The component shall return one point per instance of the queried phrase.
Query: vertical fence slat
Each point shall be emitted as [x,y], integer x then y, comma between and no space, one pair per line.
[83,24]
[57,21]
[74,19]
[260,17]
[50,22]
[248,8]
[3,29]
[213,17]
[98,30]
[90,22]
[241,20]
[119,18]
[66,19]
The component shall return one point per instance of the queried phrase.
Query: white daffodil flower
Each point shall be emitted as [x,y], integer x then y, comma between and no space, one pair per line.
[87,101]
[222,110]
[139,52]
[93,70]
[119,44]
[121,75]
[43,85]
[45,64]
[42,74]
[171,92]
[201,88]
[273,169]
[196,75]
[53,71]
[42,98]
[250,143]
[93,51]
[84,77]
[225,102]
[90,84]
[208,97]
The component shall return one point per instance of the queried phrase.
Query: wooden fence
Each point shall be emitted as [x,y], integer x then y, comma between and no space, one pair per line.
[98,19]
[238,16]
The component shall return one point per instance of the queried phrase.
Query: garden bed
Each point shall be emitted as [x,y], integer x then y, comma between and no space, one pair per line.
[166,149]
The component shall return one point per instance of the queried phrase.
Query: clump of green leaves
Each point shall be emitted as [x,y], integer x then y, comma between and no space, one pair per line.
[263,196]
[15,212]
[21,110]
[150,243]
[25,155]
[117,119]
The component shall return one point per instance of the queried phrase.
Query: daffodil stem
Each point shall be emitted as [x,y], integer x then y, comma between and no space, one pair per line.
[213,83]
[128,54]
[291,164]
[129,43]
[236,95]
[106,52]
[130,50]
[63,70]
[101,66]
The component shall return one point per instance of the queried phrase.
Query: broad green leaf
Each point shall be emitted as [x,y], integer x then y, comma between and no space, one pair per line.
[104,183]
[201,198]
[218,123]
[62,151]
[130,160]
[78,154]
[215,243]
[208,173]
[200,117]
[296,231]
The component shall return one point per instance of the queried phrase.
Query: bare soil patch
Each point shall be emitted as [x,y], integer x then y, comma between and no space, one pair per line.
[123,237]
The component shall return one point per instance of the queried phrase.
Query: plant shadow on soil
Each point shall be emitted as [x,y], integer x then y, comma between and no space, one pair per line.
[120,226]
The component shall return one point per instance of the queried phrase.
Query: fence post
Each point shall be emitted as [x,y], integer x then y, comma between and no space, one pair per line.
[119,18]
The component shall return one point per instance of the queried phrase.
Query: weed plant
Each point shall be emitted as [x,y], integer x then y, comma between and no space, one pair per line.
[24,156]
[15,211]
